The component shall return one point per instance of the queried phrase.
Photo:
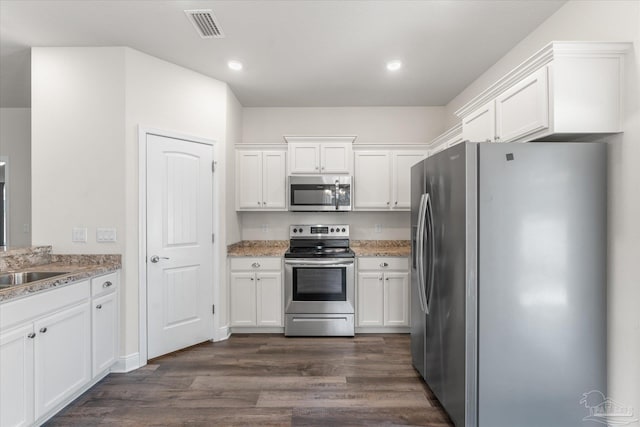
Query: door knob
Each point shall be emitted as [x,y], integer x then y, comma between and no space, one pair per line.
[157,258]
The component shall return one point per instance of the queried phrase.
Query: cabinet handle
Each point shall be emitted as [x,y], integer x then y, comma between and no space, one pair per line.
[388,203]
[252,279]
[99,306]
[384,264]
[264,203]
[316,168]
[31,335]
[258,278]
[380,278]
[43,330]
[255,265]
[258,203]
[107,284]
[497,138]
[487,140]
[396,203]
[386,278]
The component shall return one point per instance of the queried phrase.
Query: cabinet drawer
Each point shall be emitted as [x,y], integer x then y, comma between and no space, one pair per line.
[255,264]
[378,263]
[104,284]
[22,310]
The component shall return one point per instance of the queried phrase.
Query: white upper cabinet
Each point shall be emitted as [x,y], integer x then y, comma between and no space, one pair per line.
[566,91]
[305,158]
[479,126]
[448,139]
[383,178]
[372,180]
[261,180]
[523,109]
[401,179]
[320,155]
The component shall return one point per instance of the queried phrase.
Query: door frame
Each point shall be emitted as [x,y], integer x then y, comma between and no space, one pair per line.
[142,231]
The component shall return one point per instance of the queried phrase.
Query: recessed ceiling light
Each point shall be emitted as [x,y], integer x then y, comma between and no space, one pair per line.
[235,65]
[394,65]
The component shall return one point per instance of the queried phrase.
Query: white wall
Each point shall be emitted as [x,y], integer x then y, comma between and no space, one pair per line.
[165,96]
[275,225]
[606,21]
[15,144]
[87,105]
[388,125]
[77,161]
[234,136]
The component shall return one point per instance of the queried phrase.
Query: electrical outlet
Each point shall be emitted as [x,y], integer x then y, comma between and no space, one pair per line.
[79,234]
[25,228]
[265,228]
[105,234]
[378,228]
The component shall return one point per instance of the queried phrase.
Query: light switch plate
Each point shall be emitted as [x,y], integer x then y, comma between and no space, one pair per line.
[79,234]
[105,234]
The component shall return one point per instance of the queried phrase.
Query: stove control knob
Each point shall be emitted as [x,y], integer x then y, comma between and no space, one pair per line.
[295,230]
[344,230]
[332,230]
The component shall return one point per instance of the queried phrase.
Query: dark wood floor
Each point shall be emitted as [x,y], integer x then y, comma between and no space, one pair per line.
[267,380]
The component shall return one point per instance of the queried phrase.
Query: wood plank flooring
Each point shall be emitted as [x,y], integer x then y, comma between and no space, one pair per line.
[267,380]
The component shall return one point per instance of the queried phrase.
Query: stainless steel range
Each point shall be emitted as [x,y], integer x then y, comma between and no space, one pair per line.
[319,281]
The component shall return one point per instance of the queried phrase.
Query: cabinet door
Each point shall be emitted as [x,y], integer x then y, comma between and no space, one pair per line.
[248,179]
[304,158]
[396,299]
[524,108]
[105,332]
[372,180]
[401,191]
[16,373]
[274,179]
[335,158]
[62,356]
[480,126]
[242,294]
[269,299]
[370,299]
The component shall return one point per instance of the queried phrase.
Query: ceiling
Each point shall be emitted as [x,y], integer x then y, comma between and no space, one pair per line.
[295,53]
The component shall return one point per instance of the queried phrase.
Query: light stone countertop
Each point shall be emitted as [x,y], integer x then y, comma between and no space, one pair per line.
[39,258]
[277,248]
[388,248]
[251,248]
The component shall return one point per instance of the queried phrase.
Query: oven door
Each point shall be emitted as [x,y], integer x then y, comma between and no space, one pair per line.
[320,193]
[315,286]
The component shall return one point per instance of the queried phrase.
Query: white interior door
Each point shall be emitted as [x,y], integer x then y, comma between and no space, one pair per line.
[179,244]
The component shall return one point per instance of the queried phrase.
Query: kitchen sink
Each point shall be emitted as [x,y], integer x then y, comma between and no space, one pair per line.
[19,278]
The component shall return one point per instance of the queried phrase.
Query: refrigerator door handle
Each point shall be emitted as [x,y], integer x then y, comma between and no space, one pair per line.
[431,241]
[424,200]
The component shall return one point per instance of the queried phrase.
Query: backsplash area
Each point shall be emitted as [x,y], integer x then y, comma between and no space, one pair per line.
[364,225]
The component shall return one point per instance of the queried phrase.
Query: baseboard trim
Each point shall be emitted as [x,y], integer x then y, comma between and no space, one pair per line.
[383,330]
[256,330]
[126,364]
[223,334]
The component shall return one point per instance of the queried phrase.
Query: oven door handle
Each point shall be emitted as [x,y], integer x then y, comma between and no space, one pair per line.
[318,262]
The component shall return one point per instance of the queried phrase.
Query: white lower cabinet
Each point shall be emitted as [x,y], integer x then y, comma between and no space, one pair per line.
[53,345]
[255,292]
[16,373]
[382,293]
[104,322]
[62,356]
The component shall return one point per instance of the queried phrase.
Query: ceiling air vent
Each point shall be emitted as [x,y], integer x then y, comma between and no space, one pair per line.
[205,23]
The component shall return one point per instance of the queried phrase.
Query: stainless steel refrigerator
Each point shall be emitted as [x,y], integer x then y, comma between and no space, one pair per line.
[508,281]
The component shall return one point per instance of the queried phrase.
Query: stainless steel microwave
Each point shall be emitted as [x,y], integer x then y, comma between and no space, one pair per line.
[320,193]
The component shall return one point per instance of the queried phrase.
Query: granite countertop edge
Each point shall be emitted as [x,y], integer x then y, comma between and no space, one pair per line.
[63,263]
[277,248]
